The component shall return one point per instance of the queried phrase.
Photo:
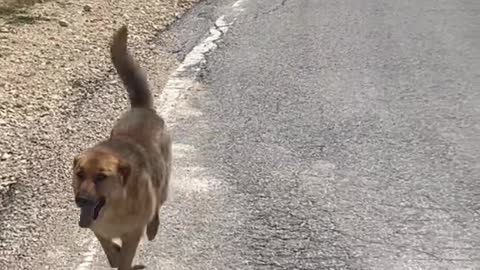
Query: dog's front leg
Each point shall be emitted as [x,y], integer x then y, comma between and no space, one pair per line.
[111,249]
[129,247]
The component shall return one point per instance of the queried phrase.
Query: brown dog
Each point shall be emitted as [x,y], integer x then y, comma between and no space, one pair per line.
[121,183]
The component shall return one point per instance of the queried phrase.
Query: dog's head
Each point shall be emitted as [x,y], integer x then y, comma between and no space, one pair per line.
[98,177]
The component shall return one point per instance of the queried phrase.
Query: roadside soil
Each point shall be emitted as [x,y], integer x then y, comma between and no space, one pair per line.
[58,95]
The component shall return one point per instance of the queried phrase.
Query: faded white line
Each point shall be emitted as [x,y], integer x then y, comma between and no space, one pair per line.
[238,4]
[182,79]
[89,255]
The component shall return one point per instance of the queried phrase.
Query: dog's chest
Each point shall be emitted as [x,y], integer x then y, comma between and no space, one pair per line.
[113,225]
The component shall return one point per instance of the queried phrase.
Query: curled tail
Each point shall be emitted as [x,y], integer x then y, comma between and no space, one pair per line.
[129,71]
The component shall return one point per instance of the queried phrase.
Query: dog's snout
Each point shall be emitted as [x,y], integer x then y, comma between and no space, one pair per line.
[83,200]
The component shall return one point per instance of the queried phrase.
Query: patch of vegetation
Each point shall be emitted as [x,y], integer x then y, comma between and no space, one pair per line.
[15,11]
[26,19]
[8,11]
[19,3]
[11,7]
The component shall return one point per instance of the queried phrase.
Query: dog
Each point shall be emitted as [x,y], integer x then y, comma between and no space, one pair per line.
[120,183]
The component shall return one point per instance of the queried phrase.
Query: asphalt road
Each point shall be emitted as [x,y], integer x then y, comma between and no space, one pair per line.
[329,134]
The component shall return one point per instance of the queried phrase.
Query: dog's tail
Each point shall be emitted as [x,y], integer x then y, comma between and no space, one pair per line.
[129,71]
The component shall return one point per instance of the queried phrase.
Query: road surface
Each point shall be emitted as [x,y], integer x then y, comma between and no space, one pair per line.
[325,134]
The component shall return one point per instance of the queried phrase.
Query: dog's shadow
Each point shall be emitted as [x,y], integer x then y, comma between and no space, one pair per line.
[138,267]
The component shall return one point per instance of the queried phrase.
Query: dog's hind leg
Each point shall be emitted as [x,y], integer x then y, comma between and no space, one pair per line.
[152,227]
[111,249]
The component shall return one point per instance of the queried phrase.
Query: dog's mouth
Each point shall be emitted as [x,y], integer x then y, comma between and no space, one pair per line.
[90,212]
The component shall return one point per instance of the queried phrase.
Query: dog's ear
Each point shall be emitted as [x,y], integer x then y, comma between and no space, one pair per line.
[124,171]
[76,159]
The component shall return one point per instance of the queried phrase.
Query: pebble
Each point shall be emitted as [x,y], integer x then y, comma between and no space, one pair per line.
[5,156]
[63,23]
[87,8]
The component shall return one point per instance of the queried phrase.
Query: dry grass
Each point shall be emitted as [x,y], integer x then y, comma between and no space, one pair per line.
[9,7]
[14,11]
[19,3]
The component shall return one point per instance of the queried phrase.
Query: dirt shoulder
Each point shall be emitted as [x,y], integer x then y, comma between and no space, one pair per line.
[59,94]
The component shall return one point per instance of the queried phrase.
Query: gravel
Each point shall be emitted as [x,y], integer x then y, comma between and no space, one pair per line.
[59,94]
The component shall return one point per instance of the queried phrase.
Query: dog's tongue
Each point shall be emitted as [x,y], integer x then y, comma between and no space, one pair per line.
[86,216]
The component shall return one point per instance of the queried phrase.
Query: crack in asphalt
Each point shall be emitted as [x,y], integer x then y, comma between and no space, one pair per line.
[277,7]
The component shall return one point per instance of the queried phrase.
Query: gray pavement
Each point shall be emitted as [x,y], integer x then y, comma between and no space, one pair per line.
[330,135]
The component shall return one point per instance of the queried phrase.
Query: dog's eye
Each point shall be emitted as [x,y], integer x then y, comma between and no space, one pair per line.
[100,177]
[81,175]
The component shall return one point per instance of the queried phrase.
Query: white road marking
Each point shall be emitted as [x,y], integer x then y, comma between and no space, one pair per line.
[238,4]
[178,82]
[176,85]
[89,255]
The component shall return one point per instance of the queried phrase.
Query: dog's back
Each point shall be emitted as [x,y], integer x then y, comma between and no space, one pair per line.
[141,123]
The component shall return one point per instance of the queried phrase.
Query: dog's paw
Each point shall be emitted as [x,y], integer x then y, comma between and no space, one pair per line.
[114,258]
[139,266]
